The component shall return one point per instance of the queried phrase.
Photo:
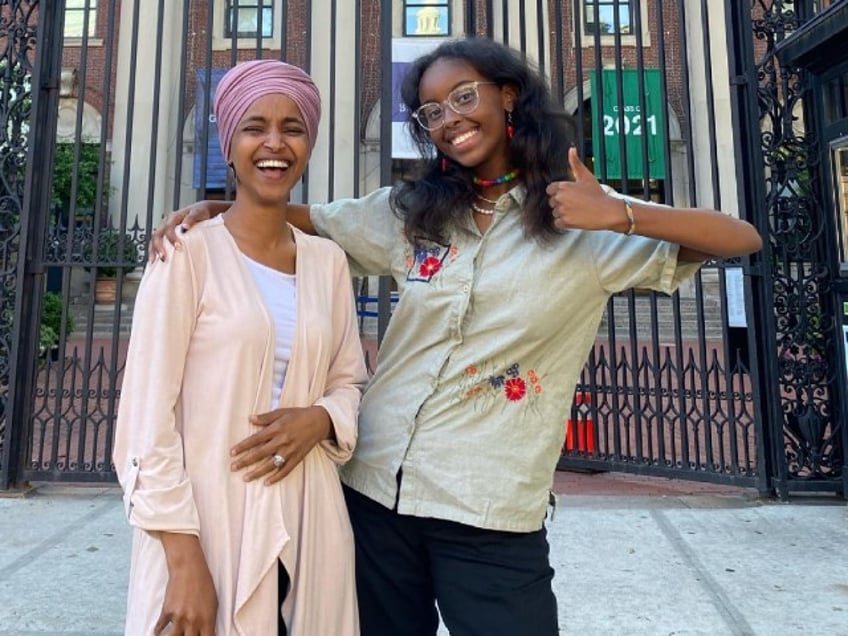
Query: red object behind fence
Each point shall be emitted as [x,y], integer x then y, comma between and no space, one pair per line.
[580,435]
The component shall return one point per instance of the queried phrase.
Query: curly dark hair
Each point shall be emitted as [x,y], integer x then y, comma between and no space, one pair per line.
[429,203]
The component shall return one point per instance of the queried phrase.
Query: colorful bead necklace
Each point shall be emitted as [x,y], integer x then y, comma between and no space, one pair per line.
[488,183]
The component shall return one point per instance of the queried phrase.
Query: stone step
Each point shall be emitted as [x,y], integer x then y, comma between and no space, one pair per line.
[103,319]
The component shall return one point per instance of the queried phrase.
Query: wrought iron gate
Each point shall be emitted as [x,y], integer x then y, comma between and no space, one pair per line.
[726,381]
[801,363]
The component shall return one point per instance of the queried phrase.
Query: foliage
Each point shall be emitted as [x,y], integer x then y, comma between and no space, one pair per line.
[791,167]
[51,322]
[814,332]
[86,171]
[47,340]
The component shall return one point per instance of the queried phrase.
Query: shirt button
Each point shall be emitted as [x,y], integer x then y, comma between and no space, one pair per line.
[466,288]
[135,461]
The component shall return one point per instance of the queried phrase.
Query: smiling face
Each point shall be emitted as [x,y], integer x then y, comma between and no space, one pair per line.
[269,150]
[478,139]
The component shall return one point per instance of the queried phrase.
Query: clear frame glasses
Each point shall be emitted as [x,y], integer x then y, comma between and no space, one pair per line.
[463,100]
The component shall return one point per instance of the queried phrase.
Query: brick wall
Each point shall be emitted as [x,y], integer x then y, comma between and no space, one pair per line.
[97,64]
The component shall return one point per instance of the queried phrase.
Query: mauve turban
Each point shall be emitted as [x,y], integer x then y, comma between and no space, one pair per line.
[248,81]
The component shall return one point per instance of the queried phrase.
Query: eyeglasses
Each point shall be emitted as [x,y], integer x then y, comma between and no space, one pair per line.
[462,100]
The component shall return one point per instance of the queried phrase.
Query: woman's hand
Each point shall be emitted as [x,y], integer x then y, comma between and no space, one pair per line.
[290,433]
[582,204]
[185,218]
[191,602]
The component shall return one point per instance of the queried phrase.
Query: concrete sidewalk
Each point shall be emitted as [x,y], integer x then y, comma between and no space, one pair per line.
[632,556]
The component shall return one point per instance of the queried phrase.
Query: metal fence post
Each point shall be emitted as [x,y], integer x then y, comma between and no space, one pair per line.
[35,210]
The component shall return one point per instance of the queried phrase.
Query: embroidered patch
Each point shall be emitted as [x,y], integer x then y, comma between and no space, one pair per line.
[427,260]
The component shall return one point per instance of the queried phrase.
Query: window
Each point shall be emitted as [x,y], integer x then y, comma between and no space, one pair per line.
[426,19]
[839,153]
[245,18]
[75,18]
[600,17]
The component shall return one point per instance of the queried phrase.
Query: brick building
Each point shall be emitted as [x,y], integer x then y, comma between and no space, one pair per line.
[136,80]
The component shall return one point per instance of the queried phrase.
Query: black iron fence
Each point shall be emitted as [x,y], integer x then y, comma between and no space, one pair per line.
[722,381]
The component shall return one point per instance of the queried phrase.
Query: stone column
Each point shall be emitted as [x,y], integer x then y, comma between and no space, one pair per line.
[725,159]
[132,142]
[333,67]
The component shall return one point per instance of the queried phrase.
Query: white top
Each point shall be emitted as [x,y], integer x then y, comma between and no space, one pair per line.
[279,292]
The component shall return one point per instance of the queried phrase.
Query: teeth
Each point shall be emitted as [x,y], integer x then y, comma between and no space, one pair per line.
[463,137]
[272,163]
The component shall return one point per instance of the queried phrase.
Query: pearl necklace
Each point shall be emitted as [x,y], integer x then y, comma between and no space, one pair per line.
[480,210]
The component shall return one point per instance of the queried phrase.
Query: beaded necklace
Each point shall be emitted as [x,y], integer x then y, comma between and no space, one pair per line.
[488,183]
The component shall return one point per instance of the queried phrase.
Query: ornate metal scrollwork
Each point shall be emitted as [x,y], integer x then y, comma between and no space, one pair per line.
[797,251]
[18,26]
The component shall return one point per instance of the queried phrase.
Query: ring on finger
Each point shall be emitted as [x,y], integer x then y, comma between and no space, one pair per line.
[278,460]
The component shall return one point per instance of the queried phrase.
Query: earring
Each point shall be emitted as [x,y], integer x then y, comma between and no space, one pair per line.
[510,129]
[444,164]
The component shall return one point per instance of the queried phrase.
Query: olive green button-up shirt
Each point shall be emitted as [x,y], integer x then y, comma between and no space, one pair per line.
[482,354]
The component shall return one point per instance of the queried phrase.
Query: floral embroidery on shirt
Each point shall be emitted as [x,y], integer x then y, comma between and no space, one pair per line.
[429,266]
[487,387]
[427,260]
[515,389]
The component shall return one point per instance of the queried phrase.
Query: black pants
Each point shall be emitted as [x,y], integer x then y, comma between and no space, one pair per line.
[282,589]
[485,582]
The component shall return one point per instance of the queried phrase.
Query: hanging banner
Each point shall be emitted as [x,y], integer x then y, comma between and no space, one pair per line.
[636,127]
[204,122]
[404,51]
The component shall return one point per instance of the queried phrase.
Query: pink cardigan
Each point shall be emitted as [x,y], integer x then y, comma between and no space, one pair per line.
[200,361]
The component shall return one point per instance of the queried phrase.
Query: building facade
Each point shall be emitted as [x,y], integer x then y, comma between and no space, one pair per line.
[730,380]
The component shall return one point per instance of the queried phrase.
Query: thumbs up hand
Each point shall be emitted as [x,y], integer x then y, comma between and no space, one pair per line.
[582,203]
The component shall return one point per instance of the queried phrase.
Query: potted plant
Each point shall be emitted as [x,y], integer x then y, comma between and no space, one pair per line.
[120,253]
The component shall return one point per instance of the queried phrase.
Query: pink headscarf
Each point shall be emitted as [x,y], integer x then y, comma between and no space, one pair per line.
[248,81]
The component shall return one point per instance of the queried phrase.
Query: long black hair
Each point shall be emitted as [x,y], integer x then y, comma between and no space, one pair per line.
[429,203]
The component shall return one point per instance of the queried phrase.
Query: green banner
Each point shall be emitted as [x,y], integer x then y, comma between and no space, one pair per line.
[637,127]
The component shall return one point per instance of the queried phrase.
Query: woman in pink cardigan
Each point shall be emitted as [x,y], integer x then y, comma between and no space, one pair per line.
[249,316]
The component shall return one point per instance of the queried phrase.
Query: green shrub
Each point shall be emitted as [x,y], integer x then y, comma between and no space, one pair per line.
[51,322]
[47,340]
[86,171]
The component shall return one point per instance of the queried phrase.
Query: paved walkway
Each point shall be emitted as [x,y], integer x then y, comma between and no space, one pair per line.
[633,556]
